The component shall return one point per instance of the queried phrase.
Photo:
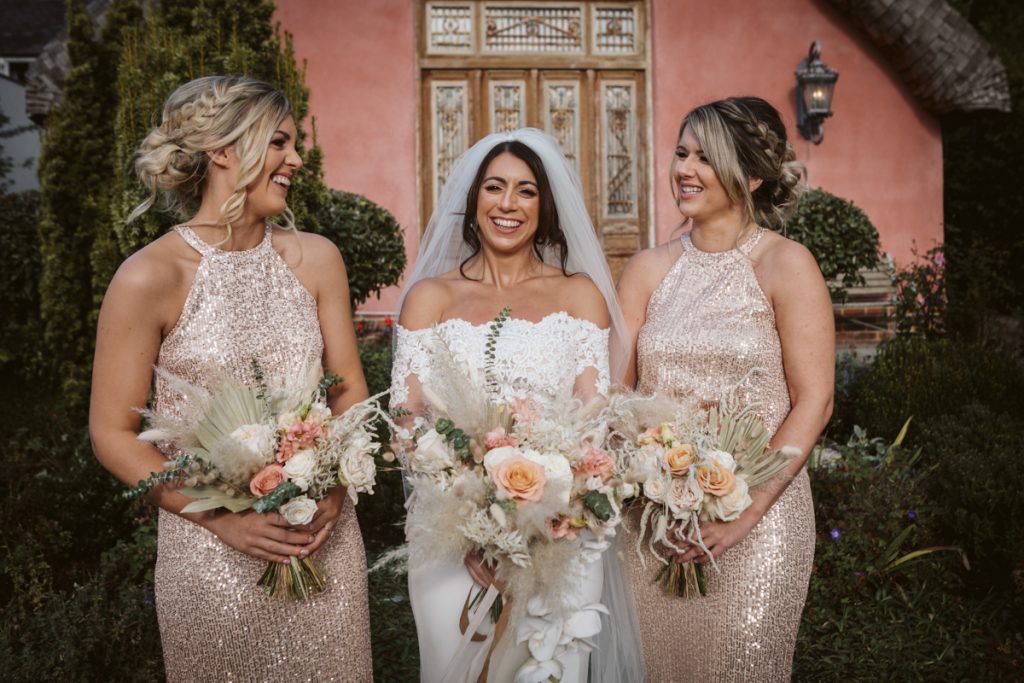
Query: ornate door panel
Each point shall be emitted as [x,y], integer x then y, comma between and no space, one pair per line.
[497,66]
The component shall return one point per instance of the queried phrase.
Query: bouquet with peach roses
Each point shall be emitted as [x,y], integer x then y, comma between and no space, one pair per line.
[685,466]
[528,487]
[280,449]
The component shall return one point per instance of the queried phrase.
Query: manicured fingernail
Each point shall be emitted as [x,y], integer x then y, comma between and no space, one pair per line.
[311,537]
[303,552]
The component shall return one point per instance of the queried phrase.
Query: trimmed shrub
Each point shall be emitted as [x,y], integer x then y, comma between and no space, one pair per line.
[875,611]
[370,241]
[931,378]
[976,480]
[840,235]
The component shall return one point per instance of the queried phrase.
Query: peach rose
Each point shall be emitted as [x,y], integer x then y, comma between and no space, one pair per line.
[679,459]
[715,479]
[519,478]
[267,479]
[564,528]
[497,437]
[597,463]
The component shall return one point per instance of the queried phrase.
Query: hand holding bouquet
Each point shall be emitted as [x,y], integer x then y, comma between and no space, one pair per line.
[250,447]
[688,467]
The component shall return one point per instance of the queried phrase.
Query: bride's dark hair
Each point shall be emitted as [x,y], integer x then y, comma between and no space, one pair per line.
[549,231]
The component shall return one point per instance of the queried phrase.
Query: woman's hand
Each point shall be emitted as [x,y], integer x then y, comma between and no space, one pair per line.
[328,512]
[720,536]
[266,536]
[480,572]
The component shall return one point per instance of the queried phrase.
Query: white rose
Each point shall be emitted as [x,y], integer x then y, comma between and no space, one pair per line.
[432,453]
[299,510]
[656,488]
[258,439]
[730,506]
[724,460]
[359,473]
[320,413]
[301,467]
[286,420]
[684,496]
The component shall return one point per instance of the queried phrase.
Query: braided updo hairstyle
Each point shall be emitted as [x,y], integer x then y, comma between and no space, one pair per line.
[201,116]
[744,138]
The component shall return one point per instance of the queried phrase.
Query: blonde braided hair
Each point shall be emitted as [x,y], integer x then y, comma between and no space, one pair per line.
[744,138]
[201,116]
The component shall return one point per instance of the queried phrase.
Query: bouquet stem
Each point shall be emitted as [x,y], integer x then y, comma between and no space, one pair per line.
[297,580]
[685,580]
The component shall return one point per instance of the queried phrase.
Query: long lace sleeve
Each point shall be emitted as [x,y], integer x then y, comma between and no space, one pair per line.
[592,373]
[410,368]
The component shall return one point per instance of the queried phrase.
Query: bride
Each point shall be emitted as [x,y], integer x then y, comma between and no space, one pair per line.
[510,230]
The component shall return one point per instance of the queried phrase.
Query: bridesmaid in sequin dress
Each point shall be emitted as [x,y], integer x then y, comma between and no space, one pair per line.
[730,305]
[203,301]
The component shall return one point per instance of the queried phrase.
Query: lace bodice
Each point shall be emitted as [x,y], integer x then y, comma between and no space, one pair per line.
[537,360]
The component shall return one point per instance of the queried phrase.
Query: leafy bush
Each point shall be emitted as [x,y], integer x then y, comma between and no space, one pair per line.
[932,378]
[19,282]
[370,240]
[103,629]
[875,609]
[921,299]
[840,236]
[396,656]
[977,475]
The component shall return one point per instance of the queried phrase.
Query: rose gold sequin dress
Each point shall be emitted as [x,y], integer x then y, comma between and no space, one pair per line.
[216,624]
[709,325]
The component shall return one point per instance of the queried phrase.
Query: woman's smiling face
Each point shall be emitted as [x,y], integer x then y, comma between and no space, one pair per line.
[508,205]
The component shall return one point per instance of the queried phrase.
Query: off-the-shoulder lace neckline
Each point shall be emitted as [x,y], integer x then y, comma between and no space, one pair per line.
[549,316]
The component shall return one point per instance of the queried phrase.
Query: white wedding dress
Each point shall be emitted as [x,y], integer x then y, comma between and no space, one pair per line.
[544,361]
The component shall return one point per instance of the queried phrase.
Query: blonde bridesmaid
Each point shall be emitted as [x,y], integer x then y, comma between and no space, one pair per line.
[732,305]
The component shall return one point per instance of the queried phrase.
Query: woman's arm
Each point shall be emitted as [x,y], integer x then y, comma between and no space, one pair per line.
[136,310]
[641,276]
[803,315]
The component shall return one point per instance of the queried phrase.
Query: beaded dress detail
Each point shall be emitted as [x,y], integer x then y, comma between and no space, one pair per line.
[710,329]
[216,624]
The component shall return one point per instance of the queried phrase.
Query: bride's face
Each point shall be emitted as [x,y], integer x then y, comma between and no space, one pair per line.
[508,205]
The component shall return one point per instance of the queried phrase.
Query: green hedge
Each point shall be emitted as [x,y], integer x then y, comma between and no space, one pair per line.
[840,235]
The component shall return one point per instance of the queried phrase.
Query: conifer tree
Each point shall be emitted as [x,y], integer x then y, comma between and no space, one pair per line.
[75,170]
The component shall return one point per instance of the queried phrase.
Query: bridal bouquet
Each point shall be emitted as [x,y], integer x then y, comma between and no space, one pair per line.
[528,487]
[688,466]
[244,447]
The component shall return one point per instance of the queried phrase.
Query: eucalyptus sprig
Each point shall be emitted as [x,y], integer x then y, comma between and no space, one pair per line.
[489,345]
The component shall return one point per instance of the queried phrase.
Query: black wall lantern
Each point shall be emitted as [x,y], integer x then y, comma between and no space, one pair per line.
[815,83]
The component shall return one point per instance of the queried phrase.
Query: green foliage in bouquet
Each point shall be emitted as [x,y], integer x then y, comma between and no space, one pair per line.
[839,234]
[370,241]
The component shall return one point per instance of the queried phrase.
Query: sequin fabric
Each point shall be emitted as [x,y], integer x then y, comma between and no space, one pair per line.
[709,329]
[216,624]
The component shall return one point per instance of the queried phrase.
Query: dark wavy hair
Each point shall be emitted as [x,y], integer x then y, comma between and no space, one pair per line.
[549,230]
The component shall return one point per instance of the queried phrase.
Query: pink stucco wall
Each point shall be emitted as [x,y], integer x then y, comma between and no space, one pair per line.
[881,149]
[361,58]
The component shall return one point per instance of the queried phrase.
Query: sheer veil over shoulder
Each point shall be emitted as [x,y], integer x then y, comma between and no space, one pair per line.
[617,656]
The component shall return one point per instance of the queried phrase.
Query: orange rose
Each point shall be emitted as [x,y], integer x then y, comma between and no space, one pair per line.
[715,479]
[519,478]
[267,479]
[679,459]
